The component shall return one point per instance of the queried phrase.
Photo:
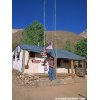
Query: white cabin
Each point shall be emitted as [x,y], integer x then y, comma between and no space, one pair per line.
[28,59]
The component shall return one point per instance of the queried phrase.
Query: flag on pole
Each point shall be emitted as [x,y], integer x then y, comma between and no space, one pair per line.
[49,47]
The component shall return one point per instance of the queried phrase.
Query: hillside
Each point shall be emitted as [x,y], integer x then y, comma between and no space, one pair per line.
[16,37]
[59,38]
[16,30]
[84,34]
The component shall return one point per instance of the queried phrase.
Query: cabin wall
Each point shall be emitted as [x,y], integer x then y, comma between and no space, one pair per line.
[26,57]
[65,67]
[35,64]
[17,63]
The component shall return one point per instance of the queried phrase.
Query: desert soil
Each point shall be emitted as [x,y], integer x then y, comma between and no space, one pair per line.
[76,89]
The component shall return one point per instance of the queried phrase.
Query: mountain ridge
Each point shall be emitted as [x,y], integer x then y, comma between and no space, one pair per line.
[58,38]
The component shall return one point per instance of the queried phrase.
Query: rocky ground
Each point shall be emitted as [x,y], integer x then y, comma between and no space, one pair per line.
[31,87]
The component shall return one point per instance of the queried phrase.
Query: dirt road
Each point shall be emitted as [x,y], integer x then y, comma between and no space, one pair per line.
[76,89]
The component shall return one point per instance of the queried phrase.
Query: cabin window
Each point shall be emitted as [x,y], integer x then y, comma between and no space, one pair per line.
[65,61]
[32,54]
[58,63]
[38,55]
[18,55]
[62,63]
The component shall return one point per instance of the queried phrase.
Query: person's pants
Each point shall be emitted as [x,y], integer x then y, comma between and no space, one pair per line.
[51,73]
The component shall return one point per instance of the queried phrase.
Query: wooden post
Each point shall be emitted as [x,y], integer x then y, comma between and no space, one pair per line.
[23,61]
[55,66]
[74,66]
[82,64]
[72,69]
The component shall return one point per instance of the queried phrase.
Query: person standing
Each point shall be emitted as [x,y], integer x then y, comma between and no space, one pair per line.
[51,68]
[50,61]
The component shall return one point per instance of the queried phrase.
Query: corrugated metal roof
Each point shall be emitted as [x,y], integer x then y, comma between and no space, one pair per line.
[64,54]
[60,53]
[33,48]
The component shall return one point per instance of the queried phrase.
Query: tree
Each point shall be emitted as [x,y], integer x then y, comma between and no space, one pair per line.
[68,46]
[34,34]
[81,48]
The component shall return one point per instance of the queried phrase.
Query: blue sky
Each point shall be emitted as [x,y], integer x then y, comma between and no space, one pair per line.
[71,15]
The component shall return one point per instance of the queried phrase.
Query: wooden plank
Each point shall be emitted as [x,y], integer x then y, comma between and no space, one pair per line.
[72,69]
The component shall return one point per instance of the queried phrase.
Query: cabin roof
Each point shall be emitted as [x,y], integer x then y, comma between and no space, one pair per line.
[33,48]
[64,54]
[59,53]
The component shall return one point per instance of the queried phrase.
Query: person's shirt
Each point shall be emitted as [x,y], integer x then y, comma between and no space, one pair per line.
[51,63]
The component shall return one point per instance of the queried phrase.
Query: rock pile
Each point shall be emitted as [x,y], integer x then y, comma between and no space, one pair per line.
[35,80]
[26,79]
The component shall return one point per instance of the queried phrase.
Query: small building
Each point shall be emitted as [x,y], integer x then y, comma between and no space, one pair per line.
[28,59]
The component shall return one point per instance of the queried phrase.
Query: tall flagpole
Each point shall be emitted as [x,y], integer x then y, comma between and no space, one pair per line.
[44,34]
[55,30]
[55,40]
[44,26]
